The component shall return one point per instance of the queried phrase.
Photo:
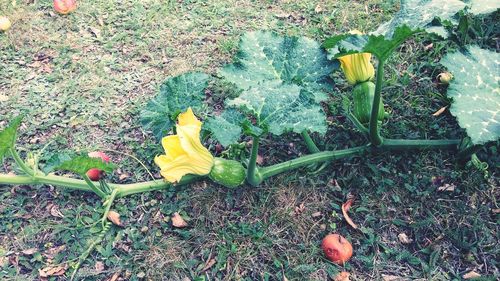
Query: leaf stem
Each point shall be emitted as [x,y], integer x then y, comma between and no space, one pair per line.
[92,186]
[311,146]
[21,163]
[375,137]
[253,176]
[108,204]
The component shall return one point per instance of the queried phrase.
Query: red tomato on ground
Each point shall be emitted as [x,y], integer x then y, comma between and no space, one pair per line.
[64,6]
[337,248]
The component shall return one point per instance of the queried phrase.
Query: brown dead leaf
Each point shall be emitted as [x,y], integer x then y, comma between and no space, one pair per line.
[403,238]
[428,47]
[318,9]
[114,217]
[114,277]
[29,251]
[123,176]
[440,111]
[300,209]
[282,15]
[345,208]
[52,271]
[54,211]
[4,261]
[99,266]
[342,276]
[178,221]
[52,252]
[316,214]
[3,98]
[496,211]
[208,265]
[447,187]
[386,277]
[471,275]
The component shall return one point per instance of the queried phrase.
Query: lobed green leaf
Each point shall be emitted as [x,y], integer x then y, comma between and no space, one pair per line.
[8,136]
[423,14]
[176,95]
[226,127]
[476,92]
[283,79]
[379,45]
[81,164]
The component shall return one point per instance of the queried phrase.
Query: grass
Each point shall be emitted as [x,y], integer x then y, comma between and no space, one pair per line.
[83,78]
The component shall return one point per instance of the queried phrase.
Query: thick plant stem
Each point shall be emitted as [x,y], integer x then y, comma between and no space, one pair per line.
[375,137]
[310,159]
[311,146]
[396,144]
[21,163]
[134,188]
[253,176]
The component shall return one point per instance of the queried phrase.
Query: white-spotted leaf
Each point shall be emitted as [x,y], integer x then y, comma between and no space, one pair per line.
[476,92]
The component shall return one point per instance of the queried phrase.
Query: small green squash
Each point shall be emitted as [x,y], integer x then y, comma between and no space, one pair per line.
[363,95]
[229,173]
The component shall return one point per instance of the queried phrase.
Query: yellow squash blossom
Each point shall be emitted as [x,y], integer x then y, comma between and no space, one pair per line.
[184,153]
[357,67]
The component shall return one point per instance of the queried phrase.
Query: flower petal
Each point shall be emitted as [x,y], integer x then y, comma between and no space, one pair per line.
[188,118]
[172,147]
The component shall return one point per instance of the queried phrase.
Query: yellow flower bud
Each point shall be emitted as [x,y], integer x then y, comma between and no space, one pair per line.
[357,67]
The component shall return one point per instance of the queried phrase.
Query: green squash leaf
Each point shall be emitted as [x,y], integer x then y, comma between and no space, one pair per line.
[8,136]
[476,92]
[281,108]
[382,47]
[176,95]
[265,56]
[226,128]
[81,164]
[480,7]
[280,76]
[53,160]
[421,14]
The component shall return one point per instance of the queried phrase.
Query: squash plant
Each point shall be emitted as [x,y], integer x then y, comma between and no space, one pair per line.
[282,82]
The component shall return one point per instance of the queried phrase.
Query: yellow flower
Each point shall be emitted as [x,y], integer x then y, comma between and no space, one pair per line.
[357,67]
[184,153]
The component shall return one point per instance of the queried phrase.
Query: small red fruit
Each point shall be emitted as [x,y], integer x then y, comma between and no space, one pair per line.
[64,6]
[337,249]
[96,174]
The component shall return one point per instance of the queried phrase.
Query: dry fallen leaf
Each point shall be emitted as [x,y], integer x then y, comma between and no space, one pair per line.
[471,275]
[4,261]
[300,209]
[99,266]
[318,9]
[386,277]
[54,211]
[345,208]
[440,111]
[178,221]
[29,251]
[52,252]
[208,265]
[316,214]
[114,277]
[403,238]
[428,47]
[342,276]
[52,271]
[447,187]
[114,217]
